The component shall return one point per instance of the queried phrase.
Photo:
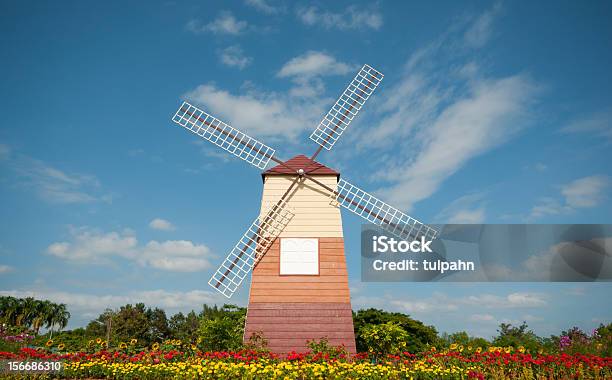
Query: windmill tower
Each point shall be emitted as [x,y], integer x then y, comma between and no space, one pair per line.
[295,247]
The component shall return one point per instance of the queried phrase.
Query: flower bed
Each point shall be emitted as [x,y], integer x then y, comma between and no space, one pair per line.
[191,364]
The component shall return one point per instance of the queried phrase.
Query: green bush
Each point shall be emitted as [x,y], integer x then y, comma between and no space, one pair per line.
[222,330]
[420,336]
[387,338]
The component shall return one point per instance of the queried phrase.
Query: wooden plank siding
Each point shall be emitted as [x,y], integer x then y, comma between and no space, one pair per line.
[289,310]
[331,285]
[288,326]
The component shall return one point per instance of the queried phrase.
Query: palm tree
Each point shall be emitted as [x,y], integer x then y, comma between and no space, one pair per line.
[9,307]
[43,310]
[58,317]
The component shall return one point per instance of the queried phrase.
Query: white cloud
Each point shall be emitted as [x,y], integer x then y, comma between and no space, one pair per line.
[540,167]
[264,6]
[559,259]
[92,245]
[50,183]
[175,255]
[233,56]
[581,193]
[276,115]
[5,151]
[585,192]
[424,306]
[466,209]
[314,63]
[441,113]
[487,116]
[162,225]
[482,318]
[352,17]
[548,206]
[479,32]
[261,113]
[6,269]
[513,300]
[88,245]
[225,23]
[598,124]
[438,303]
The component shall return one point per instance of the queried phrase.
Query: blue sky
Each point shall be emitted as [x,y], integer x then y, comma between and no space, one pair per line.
[489,112]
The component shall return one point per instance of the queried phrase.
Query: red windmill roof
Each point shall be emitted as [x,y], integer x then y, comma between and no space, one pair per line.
[301,162]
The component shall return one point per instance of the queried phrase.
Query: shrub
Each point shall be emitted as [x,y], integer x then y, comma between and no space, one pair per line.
[387,338]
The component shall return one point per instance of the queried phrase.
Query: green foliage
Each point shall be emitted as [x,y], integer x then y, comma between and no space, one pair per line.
[257,342]
[383,339]
[73,340]
[184,327]
[221,329]
[517,336]
[131,322]
[419,334]
[462,338]
[576,341]
[325,349]
[33,314]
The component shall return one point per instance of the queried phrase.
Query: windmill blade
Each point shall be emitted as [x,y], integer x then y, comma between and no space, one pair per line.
[378,212]
[221,134]
[251,247]
[346,108]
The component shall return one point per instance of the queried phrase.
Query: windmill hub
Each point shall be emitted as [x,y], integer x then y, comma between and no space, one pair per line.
[301,172]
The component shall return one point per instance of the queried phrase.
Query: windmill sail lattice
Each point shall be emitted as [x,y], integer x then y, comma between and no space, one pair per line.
[250,248]
[380,213]
[221,134]
[346,107]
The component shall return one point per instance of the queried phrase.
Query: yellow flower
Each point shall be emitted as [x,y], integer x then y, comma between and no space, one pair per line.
[521,349]
[60,346]
[453,346]
[433,348]
[469,348]
[122,345]
[155,346]
[479,350]
[99,340]
[461,348]
[194,347]
[49,343]
[133,341]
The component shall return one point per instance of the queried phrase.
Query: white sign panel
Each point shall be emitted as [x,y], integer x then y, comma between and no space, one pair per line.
[299,256]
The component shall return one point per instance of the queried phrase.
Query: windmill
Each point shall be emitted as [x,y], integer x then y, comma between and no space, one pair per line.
[295,247]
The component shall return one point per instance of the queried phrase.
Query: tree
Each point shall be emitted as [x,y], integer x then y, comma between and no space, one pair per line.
[30,313]
[184,327]
[419,335]
[131,322]
[517,336]
[221,329]
[462,338]
[158,325]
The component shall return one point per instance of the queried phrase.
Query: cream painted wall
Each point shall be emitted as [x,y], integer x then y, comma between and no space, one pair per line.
[315,214]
